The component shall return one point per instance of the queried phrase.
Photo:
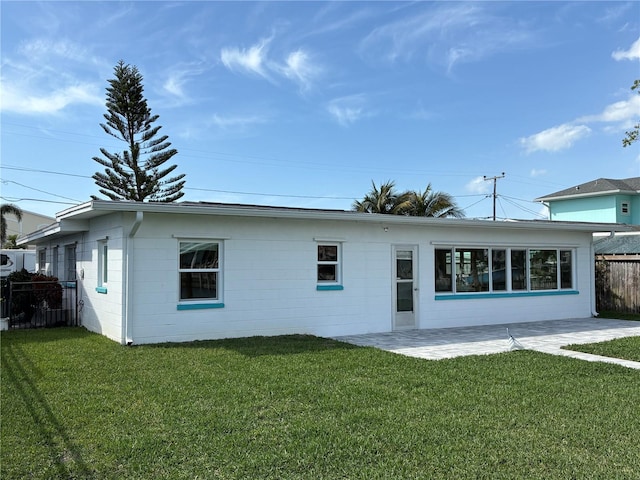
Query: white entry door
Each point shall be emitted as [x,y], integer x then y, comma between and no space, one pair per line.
[405,289]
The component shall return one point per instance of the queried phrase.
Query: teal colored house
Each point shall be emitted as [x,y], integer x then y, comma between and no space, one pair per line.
[603,200]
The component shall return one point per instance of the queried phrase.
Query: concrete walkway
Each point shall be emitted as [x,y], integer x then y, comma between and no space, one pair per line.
[545,336]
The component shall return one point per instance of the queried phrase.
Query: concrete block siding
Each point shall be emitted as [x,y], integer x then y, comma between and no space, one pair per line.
[268,282]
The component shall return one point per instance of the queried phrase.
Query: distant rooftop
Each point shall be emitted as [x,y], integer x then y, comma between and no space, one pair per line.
[601,186]
[619,244]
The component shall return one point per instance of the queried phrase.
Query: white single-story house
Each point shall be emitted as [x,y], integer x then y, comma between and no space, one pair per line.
[154,272]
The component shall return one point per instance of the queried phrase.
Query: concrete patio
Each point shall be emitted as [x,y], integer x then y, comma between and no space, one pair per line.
[544,336]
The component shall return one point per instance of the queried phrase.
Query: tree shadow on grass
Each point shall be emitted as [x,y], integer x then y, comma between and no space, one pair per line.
[44,335]
[261,345]
[20,374]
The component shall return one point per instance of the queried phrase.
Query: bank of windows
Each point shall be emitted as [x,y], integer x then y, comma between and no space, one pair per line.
[464,270]
[199,271]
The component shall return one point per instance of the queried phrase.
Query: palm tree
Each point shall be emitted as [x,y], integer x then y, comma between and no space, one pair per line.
[382,200]
[432,204]
[8,209]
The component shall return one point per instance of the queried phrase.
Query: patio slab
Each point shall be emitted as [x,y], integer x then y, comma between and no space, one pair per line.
[544,336]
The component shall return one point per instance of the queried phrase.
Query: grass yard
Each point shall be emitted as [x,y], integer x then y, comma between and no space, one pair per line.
[76,405]
[627,348]
[619,315]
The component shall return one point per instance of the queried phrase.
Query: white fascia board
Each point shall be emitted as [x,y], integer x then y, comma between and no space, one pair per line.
[103,207]
[39,234]
[59,228]
[586,195]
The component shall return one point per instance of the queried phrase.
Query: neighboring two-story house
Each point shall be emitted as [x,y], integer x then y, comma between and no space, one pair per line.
[604,200]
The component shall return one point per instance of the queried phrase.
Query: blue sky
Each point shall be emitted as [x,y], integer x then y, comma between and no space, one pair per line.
[306,103]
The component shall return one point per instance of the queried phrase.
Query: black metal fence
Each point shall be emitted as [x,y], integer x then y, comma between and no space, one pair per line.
[39,304]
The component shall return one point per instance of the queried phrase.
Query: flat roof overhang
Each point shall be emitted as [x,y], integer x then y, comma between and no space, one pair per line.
[77,218]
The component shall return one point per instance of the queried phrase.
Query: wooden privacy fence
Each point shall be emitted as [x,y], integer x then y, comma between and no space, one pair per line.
[618,285]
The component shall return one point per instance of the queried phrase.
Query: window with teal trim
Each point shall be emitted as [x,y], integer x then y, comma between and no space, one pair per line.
[329,264]
[468,270]
[199,270]
[103,266]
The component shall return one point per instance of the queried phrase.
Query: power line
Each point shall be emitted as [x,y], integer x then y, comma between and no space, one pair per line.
[16,200]
[41,191]
[210,153]
[34,170]
[524,209]
[482,199]
[50,172]
[268,194]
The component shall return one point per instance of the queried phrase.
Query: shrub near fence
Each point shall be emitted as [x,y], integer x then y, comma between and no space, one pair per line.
[618,285]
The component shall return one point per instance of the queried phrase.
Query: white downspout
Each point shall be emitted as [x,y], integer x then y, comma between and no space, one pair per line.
[592,275]
[127,282]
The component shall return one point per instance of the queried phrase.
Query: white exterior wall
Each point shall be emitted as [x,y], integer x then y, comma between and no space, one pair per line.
[269,278]
[101,313]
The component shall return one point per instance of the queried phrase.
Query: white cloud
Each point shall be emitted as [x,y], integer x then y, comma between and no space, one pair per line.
[445,34]
[478,186]
[300,69]
[622,111]
[538,172]
[174,84]
[297,66]
[348,110]
[177,78]
[632,54]
[18,100]
[250,60]
[47,76]
[236,121]
[555,138]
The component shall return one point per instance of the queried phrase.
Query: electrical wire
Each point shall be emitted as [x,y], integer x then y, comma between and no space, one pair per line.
[524,209]
[16,200]
[51,172]
[482,199]
[208,154]
[41,191]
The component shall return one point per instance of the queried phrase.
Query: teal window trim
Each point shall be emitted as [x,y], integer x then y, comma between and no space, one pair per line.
[477,296]
[101,289]
[199,306]
[324,288]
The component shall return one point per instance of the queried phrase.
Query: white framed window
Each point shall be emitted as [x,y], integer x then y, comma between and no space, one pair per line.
[70,262]
[329,259]
[625,208]
[199,270]
[103,263]
[54,261]
[42,261]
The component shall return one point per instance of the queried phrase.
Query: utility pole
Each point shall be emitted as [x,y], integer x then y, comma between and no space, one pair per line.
[495,195]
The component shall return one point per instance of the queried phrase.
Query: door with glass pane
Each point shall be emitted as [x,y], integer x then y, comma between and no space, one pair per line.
[405,287]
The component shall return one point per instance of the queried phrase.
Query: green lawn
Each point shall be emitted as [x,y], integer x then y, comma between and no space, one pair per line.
[627,348]
[619,315]
[76,405]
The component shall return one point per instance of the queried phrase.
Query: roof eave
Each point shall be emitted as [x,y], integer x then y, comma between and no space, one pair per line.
[102,207]
[571,196]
